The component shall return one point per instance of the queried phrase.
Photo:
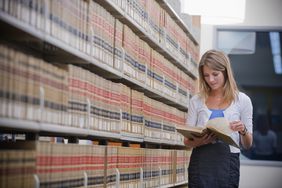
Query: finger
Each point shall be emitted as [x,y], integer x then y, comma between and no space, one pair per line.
[212,138]
[235,126]
[236,121]
[232,125]
[208,139]
[205,137]
[212,134]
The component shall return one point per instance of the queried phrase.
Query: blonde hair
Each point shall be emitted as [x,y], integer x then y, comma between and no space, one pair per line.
[218,61]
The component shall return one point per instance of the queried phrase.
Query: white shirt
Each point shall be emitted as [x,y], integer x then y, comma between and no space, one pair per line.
[240,109]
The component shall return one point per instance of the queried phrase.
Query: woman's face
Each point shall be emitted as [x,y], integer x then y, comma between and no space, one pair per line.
[214,78]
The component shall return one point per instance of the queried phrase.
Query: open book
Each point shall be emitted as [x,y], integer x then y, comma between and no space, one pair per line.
[219,126]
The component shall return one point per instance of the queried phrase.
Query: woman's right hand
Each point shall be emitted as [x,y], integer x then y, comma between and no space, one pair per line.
[199,141]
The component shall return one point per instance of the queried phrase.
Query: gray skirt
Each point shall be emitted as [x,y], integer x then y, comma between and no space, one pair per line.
[214,166]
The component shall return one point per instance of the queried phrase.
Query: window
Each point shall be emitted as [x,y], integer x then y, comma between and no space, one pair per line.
[255,56]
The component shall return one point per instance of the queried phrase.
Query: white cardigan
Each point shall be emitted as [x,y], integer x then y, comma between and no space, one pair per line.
[240,109]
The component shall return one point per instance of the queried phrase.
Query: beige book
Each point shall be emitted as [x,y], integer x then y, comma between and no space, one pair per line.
[28,168]
[118,45]
[11,66]
[3,167]
[4,80]
[19,85]
[14,168]
[218,126]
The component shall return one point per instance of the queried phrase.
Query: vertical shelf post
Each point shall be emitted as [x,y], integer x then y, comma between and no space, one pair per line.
[141,178]
[117,178]
[160,176]
[36,180]
[85,179]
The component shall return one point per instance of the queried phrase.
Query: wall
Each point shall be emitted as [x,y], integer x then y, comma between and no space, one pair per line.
[263,13]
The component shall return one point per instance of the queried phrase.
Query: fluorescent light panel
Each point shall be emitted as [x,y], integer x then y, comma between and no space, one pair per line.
[216,12]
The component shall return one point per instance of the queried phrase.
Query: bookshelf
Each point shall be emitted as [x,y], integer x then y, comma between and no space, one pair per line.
[144,34]
[66,52]
[165,5]
[133,101]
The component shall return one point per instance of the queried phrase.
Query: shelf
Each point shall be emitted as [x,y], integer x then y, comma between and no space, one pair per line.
[162,142]
[144,35]
[60,51]
[181,183]
[131,137]
[173,185]
[46,129]
[55,130]
[165,5]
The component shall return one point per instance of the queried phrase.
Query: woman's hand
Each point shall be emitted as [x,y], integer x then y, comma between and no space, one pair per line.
[199,141]
[238,126]
[246,138]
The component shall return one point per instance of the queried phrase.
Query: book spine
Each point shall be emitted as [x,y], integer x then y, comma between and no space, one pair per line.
[4,80]
[19,85]
[118,52]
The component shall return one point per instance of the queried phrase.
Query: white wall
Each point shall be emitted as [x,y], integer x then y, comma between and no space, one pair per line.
[259,13]
[263,13]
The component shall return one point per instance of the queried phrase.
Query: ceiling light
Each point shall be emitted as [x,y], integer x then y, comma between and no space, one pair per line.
[215,12]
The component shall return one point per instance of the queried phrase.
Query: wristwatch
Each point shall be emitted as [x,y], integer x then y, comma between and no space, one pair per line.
[244,132]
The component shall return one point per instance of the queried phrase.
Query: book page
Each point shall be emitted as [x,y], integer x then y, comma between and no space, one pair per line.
[190,131]
[220,127]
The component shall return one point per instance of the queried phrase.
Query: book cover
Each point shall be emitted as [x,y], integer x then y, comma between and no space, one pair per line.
[219,126]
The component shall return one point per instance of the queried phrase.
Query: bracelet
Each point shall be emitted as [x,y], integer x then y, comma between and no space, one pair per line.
[244,131]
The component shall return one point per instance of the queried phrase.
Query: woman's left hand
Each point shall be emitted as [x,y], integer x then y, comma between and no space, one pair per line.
[246,138]
[237,126]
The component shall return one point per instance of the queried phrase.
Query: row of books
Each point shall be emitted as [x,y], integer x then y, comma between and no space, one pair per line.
[31,88]
[90,28]
[143,63]
[70,165]
[99,104]
[64,94]
[161,26]
[191,22]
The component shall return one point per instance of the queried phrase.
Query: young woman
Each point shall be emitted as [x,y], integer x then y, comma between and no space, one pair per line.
[214,163]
